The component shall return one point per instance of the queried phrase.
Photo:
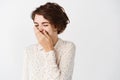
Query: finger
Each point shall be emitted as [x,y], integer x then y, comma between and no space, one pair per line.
[37,32]
[46,34]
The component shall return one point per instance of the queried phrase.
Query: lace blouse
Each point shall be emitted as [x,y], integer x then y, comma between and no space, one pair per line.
[57,64]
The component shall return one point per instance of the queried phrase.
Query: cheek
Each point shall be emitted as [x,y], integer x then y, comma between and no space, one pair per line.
[50,32]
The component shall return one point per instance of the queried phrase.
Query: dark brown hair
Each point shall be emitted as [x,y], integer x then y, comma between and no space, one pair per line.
[53,13]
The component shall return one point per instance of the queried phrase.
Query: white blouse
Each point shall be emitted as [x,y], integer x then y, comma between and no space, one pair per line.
[56,64]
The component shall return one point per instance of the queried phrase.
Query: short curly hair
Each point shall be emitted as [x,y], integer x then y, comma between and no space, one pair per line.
[53,13]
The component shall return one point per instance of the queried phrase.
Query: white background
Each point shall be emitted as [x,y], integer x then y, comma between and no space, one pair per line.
[94,28]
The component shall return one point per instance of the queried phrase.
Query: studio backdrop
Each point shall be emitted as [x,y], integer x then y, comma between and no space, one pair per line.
[94,28]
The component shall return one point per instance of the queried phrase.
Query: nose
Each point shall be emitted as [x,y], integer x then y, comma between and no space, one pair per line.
[40,28]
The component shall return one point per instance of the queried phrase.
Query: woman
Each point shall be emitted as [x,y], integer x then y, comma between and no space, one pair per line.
[52,58]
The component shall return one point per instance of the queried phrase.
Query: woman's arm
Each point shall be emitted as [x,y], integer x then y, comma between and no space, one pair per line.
[25,66]
[65,69]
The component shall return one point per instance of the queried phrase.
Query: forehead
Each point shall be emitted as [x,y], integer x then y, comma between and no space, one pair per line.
[40,19]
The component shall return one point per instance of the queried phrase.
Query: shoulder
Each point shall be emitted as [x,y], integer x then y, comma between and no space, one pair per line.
[65,46]
[69,44]
[68,48]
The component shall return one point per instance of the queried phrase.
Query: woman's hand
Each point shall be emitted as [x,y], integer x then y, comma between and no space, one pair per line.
[44,39]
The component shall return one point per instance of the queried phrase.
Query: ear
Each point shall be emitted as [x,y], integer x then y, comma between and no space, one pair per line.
[55,29]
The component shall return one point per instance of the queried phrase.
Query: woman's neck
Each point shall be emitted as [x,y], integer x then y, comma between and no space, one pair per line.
[55,40]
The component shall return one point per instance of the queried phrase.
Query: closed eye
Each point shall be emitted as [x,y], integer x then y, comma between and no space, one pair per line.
[45,25]
[36,25]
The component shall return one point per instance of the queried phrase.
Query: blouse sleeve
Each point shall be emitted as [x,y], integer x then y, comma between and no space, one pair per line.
[25,66]
[65,69]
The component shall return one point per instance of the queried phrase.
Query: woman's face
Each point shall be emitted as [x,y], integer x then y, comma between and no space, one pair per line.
[44,25]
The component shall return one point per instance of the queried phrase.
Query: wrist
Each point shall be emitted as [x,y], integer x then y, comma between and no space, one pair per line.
[47,50]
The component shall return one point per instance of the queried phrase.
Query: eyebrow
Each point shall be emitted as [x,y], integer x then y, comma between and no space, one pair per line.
[42,22]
